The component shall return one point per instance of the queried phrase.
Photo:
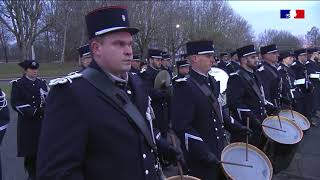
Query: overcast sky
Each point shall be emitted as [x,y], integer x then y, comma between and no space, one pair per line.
[266,15]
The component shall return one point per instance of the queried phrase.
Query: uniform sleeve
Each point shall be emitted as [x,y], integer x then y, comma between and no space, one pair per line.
[63,138]
[184,110]
[4,115]
[235,95]
[18,102]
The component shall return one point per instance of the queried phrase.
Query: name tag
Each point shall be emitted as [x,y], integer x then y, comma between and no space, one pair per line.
[299,81]
[315,76]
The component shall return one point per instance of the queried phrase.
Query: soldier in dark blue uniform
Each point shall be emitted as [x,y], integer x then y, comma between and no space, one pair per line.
[269,74]
[159,98]
[166,63]
[245,95]
[303,80]
[234,64]
[290,94]
[313,70]
[98,122]
[84,56]
[197,117]
[28,99]
[183,68]
[136,64]
[4,120]
[224,60]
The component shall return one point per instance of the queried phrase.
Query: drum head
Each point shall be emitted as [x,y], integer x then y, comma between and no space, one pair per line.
[290,134]
[236,153]
[220,75]
[185,177]
[297,118]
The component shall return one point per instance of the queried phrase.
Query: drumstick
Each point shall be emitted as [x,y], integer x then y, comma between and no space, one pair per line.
[276,104]
[247,140]
[178,163]
[236,164]
[279,121]
[273,128]
[291,113]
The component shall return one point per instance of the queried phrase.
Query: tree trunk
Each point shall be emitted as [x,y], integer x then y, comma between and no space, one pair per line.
[64,44]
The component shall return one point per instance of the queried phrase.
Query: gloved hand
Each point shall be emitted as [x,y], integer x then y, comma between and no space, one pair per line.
[39,112]
[211,160]
[246,131]
[255,124]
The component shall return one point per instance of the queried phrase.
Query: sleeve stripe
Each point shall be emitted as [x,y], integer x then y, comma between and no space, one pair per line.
[242,110]
[187,136]
[3,127]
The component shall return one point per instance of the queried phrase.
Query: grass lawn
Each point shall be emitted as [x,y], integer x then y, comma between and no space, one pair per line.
[12,70]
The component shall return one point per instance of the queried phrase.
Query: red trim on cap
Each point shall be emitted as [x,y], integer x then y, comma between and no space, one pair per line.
[107,7]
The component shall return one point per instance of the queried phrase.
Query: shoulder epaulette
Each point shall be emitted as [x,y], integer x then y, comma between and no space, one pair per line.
[15,80]
[235,73]
[184,79]
[294,63]
[280,67]
[260,69]
[65,79]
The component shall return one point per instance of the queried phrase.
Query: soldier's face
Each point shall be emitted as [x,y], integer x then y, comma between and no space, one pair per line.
[113,53]
[32,73]
[85,61]
[272,57]
[235,58]
[252,61]
[156,63]
[303,58]
[135,64]
[206,61]
[184,70]
[288,60]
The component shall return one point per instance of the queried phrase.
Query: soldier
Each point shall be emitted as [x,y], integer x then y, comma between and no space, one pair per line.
[28,98]
[234,64]
[166,63]
[98,122]
[245,95]
[197,117]
[182,69]
[136,64]
[159,98]
[4,120]
[84,56]
[302,79]
[269,74]
[225,59]
[290,94]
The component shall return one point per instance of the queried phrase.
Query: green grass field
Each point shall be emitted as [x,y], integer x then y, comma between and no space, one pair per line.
[12,70]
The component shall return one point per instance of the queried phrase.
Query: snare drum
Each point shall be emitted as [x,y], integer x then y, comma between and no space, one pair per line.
[297,118]
[282,142]
[236,153]
[288,132]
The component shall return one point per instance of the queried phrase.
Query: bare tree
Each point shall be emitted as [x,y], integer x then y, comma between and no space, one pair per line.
[283,39]
[313,37]
[23,20]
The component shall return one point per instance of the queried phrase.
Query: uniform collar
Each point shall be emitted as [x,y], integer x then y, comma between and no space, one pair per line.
[30,78]
[199,76]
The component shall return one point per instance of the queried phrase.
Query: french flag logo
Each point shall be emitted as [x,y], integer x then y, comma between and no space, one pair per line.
[292,14]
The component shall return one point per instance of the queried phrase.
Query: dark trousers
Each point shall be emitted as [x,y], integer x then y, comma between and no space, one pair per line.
[30,166]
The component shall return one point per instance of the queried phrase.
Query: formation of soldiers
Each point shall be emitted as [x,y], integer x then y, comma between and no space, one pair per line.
[110,120]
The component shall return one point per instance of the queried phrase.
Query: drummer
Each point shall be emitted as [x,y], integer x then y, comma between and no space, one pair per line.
[290,94]
[245,95]
[197,117]
[234,64]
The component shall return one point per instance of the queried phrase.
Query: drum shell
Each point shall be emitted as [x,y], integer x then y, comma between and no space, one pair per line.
[185,177]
